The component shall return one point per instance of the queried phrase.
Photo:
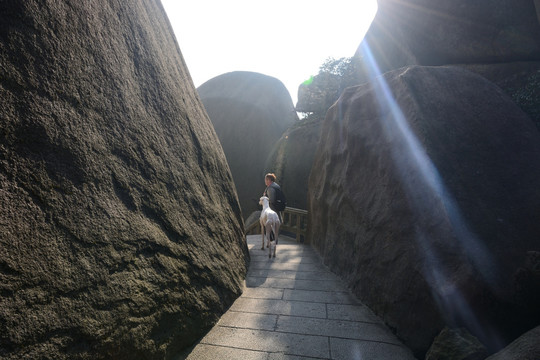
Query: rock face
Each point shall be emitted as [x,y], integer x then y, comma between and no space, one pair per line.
[426,204]
[250,112]
[456,344]
[497,39]
[520,80]
[526,347]
[439,32]
[292,157]
[121,236]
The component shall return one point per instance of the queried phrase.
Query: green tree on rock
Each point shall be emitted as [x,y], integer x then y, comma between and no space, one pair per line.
[316,95]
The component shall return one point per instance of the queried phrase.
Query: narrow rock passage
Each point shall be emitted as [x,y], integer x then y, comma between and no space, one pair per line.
[293,307]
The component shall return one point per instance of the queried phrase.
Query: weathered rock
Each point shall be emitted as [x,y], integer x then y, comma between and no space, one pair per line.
[527,284]
[292,157]
[499,40]
[429,232]
[427,32]
[526,347]
[250,112]
[121,236]
[253,218]
[456,344]
[520,80]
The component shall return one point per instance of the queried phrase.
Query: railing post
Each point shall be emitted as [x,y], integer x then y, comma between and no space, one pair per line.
[287,225]
[298,229]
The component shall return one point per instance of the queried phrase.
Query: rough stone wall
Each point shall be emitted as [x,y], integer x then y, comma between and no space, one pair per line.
[365,198]
[423,195]
[121,236]
[499,40]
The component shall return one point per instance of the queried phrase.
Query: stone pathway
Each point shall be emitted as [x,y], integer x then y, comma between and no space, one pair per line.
[294,308]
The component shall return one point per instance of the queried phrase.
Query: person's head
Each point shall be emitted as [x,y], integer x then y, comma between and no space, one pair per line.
[269,179]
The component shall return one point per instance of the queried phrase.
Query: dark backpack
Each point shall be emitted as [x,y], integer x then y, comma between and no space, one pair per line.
[281,201]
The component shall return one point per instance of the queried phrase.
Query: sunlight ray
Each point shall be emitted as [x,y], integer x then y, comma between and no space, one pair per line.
[410,158]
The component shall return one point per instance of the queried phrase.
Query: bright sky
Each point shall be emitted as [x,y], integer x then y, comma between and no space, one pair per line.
[286,39]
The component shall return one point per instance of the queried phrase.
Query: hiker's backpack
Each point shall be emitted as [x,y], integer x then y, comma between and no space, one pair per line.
[281,201]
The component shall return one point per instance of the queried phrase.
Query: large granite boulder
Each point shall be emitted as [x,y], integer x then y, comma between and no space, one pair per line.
[250,112]
[121,236]
[426,202]
[499,40]
[437,32]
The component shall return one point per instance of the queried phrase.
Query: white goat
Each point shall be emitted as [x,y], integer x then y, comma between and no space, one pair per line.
[270,221]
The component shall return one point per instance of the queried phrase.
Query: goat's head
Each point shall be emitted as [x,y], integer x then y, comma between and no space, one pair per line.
[263,200]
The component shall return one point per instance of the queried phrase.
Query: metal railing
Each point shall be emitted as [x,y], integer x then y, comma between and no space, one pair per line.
[294,223]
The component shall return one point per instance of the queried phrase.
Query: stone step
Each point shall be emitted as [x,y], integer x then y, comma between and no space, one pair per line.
[294,308]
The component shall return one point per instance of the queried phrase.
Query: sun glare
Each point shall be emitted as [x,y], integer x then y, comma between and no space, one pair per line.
[410,156]
[288,40]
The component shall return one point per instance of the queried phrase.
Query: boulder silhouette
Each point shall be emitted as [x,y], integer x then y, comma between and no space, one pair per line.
[250,112]
[423,195]
[121,235]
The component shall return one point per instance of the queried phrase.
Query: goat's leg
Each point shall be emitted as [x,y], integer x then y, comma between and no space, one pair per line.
[262,235]
[276,232]
[269,238]
[280,216]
